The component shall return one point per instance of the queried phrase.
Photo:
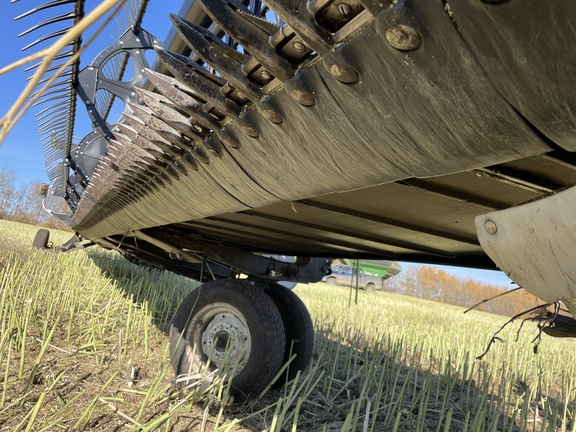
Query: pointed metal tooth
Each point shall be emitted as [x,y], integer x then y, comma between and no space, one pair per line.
[252,37]
[63,17]
[204,44]
[295,14]
[172,130]
[154,137]
[183,27]
[163,108]
[149,134]
[151,148]
[190,73]
[162,146]
[161,131]
[131,156]
[147,147]
[263,24]
[140,153]
[110,163]
[180,95]
[128,130]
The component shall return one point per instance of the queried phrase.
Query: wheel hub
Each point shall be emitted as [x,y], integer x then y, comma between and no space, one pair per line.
[226,337]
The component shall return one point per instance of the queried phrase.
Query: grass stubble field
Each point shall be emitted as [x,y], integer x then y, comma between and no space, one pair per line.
[83,346]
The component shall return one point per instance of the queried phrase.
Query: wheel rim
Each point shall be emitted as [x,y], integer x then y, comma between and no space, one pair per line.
[220,336]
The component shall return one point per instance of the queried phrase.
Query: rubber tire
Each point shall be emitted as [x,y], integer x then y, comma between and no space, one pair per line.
[331,281]
[262,319]
[41,239]
[370,287]
[298,328]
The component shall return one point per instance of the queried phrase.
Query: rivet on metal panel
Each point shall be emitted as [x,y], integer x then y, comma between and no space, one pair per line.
[303,98]
[272,116]
[344,73]
[491,227]
[403,38]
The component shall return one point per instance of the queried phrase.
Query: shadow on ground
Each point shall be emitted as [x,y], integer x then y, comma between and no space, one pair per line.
[355,384]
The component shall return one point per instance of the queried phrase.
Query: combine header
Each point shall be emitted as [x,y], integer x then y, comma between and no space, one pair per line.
[268,138]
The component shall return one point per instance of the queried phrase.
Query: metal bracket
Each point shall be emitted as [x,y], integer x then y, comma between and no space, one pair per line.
[92,78]
[309,270]
[75,244]
[305,270]
[535,245]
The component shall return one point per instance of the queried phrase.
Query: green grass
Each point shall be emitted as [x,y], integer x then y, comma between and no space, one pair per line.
[83,346]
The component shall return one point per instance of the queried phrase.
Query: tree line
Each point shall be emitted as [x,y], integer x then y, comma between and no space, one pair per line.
[434,283]
[22,202]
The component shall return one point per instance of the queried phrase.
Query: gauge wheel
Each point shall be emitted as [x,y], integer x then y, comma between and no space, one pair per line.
[331,281]
[231,326]
[41,239]
[370,287]
[298,328]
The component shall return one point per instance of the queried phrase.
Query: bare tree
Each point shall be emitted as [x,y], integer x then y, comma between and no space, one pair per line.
[7,189]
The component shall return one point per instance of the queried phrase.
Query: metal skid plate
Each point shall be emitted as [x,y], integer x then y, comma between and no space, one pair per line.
[535,245]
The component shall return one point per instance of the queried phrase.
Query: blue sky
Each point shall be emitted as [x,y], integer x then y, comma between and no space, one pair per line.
[22,150]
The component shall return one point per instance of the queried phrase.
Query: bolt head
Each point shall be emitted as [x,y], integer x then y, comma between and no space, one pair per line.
[299,46]
[491,227]
[303,98]
[272,116]
[344,9]
[251,132]
[344,73]
[403,38]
